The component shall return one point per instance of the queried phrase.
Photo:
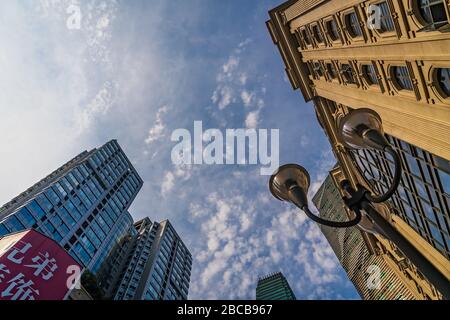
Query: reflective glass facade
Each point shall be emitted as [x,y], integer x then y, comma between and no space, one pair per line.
[82,205]
[423,197]
[274,287]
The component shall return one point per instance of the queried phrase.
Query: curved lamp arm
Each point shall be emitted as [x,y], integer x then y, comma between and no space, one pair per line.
[395,183]
[298,197]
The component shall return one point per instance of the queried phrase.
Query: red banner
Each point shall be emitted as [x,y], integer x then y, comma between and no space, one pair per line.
[34,267]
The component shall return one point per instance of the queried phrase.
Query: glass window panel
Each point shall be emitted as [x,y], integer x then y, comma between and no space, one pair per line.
[73,211]
[13,224]
[353,25]
[36,209]
[444,80]
[403,78]
[387,24]
[25,216]
[433,11]
[61,189]
[3,230]
[54,198]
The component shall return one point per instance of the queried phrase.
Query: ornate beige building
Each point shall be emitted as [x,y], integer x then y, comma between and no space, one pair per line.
[392,57]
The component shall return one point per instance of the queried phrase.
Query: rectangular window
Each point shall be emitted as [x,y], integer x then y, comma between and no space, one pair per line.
[61,189]
[36,209]
[3,230]
[51,194]
[67,184]
[67,217]
[13,224]
[25,216]
[73,211]
[387,24]
[85,198]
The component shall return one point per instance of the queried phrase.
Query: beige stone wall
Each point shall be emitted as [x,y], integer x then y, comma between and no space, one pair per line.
[420,117]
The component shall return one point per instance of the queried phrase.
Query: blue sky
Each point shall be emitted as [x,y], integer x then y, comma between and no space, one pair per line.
[136,71]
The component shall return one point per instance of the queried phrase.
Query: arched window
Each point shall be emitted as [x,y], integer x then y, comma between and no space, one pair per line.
[443,77]
[370,74]
[353,26]
[402,78]
[433,12]
[332,30]
[317,33]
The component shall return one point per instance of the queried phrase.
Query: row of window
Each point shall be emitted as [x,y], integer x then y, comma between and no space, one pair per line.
[431,13]
[423,197]
[399,75]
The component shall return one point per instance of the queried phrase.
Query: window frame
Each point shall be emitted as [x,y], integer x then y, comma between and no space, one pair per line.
[395,81]
[370,85]
[420,23]
[306,37]
[355,82]
[319,36]
[437,94]
[387,34]
[328,30]
[348,27]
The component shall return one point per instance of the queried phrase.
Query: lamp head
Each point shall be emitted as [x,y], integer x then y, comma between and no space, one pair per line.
[287,175]
[362,129]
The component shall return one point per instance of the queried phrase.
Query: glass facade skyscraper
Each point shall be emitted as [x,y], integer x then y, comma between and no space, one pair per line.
[274,287]
[83,205]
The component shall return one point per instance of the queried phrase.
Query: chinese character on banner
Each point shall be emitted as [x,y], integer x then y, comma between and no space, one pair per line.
[34,267]
[20,289]
[3,270]
[17,255]
[44,265]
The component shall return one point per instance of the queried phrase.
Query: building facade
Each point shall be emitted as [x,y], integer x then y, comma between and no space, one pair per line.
[158,264]
[392,57]
[83,205]
[274,287]
[372,275]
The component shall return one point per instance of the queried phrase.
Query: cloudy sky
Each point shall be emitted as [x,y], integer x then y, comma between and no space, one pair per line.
[135,71]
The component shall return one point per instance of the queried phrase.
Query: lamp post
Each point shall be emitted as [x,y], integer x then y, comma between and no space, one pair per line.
[360,129]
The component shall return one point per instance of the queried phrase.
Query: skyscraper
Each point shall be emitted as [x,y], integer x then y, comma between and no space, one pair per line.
[274,287]
[83,205]
[399,68]
[350,248]
[158,264]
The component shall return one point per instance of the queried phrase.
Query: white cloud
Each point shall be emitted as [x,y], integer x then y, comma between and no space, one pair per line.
[234,248]
[223,96]
[50,91]
[99,106]
[168,183]
[247,97]
[157,131]
[252,120]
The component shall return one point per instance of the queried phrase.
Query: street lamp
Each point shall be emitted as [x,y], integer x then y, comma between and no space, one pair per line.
[360,129]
